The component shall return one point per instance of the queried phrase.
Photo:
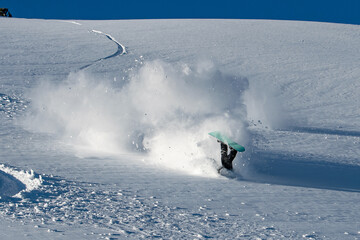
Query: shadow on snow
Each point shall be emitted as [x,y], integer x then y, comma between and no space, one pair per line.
[313,171]
[9,185]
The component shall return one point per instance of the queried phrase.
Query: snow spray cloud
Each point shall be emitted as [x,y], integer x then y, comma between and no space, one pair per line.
[163,110]
[180,105]
[81,110]
[263,106]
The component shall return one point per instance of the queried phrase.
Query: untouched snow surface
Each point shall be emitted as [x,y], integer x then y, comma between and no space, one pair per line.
[105,125]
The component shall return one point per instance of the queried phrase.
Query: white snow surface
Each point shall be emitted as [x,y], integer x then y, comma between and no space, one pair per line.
[105,126]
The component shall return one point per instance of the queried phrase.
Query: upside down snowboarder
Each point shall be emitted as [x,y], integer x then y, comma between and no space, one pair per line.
[227,159]
[225,144]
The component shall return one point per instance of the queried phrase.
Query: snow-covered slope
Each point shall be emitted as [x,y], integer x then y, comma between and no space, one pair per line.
[113,117]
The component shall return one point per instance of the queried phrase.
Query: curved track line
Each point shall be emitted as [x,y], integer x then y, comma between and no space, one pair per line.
[121,48]
[120,51]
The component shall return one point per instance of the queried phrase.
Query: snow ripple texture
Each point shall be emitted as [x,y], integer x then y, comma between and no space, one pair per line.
[122,213]
[11,106]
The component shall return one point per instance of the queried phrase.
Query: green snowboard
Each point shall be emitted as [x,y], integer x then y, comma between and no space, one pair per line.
[221,137]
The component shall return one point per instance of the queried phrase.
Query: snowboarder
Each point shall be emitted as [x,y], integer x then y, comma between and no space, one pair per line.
[227,159]
[225,143]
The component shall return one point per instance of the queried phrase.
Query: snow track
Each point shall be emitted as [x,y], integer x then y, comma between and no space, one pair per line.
[120,49]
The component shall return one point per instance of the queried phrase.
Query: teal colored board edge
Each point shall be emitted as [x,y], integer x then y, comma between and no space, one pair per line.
[227,141]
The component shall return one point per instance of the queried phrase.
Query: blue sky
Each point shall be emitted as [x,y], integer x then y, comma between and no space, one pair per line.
[341,11]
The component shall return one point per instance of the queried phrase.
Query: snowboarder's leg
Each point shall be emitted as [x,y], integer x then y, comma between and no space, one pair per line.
[224,149]
[225,159]
[232,154]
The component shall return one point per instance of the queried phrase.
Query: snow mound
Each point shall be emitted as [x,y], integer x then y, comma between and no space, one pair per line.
[13,182]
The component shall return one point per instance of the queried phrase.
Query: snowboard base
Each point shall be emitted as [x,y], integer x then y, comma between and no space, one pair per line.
[222,138]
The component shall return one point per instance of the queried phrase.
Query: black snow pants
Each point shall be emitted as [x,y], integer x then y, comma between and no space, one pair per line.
[226,160]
